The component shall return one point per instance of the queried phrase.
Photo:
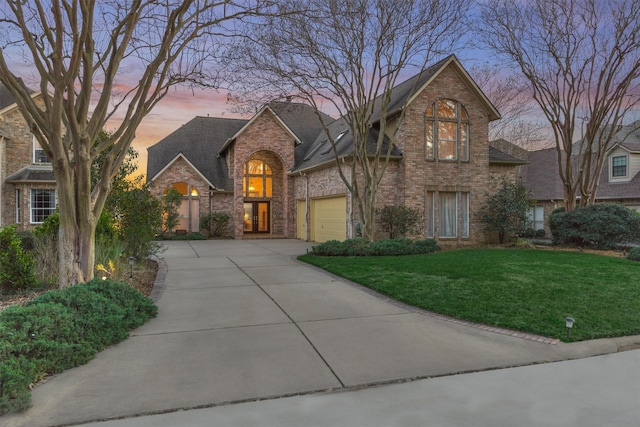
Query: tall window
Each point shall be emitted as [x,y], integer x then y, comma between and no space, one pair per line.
[18,207]
[447,131]
[447,214]
[43,204]
[535,215]
[619,166]
[258,179]
[39,156]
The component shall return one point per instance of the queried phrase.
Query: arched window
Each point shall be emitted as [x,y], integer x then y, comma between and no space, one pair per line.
[258,179]
[447,131]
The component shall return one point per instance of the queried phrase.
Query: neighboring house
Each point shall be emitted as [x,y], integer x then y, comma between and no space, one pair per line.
[619,181]
[27,184]
[276,174]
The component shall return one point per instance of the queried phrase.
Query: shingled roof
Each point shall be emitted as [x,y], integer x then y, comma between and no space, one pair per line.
[33,173]
[199,141]
[541,176]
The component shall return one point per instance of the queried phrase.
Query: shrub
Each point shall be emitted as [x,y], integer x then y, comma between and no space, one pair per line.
[363,247]
[16,265]
[216,223]
[603,226]
[506,210]
[137,308]
[328,248]
[634,254]
[356,247]
[45,256]
[393,247]
[426,246]
[63,329]
[399,221]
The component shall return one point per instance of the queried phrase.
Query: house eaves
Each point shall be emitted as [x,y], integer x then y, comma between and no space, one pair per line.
[175,159]
[252,120]
[33,174]
[14,106]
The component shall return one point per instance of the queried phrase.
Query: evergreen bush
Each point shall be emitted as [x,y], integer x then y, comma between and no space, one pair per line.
[62,329]
[16,265]
[215,223]
[603,226]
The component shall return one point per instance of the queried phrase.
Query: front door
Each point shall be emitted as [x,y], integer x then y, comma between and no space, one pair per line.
[257,217]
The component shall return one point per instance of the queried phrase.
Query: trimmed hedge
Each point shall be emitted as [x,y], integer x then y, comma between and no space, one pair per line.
[63,329]
[603,226]
[385,247]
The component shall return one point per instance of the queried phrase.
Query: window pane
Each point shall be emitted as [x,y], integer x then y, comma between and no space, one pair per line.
[269,186]
[446,108]
[464,214]
[429,211]
[448,214]
[43,204]
[463,112]
[447,150]
[447,140]
[255,187]
[619,166]
[447,131]
[538,216]
[428,137]
[430,110]
[464,142]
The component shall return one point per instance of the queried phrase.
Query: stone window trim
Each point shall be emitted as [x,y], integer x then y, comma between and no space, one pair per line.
[446,131]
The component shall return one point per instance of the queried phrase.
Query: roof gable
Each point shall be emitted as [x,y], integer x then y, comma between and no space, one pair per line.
[198,141]
[406,92]
[175,159]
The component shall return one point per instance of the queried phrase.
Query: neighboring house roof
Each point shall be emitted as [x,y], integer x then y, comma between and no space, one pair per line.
[541,176]
[42,174]
[503,152]
[198,141]
[8,101]
[628,137]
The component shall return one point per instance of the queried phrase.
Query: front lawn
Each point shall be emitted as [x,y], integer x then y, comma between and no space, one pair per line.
[522,289]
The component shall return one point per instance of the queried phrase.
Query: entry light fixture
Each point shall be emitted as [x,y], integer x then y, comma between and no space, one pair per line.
[569,324]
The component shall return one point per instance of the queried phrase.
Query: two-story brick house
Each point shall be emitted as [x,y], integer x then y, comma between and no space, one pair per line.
[27,184]
[276,172]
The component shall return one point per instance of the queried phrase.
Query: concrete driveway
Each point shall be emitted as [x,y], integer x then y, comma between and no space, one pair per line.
[242,320]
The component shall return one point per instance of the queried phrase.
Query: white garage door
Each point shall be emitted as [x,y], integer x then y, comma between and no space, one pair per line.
[329,219]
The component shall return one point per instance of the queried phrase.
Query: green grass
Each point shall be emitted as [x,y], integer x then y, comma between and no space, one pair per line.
[522,289]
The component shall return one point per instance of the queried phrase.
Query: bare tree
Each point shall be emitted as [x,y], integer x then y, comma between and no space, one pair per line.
[581,59]
[510,94]
[346,56]
[84,53]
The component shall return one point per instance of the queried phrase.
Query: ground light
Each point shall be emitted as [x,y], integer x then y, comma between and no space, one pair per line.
[132,260]
[569,323]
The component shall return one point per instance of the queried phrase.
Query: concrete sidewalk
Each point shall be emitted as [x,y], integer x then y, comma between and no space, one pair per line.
[242,320]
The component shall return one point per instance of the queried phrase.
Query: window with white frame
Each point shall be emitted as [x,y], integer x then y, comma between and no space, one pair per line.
[39,156]
[447,131]
[447,214]
[618,166]
[43,204]
[535,215]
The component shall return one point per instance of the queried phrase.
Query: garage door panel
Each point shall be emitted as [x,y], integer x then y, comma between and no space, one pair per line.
[329,219]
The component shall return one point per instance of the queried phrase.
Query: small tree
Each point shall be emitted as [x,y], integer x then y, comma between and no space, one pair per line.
[170,205]
[506,211]
[216,223]
[399,221]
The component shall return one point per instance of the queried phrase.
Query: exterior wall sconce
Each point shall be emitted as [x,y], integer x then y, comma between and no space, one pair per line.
[569,324]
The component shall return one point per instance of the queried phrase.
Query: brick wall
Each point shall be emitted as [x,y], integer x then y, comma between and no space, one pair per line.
[265,139]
